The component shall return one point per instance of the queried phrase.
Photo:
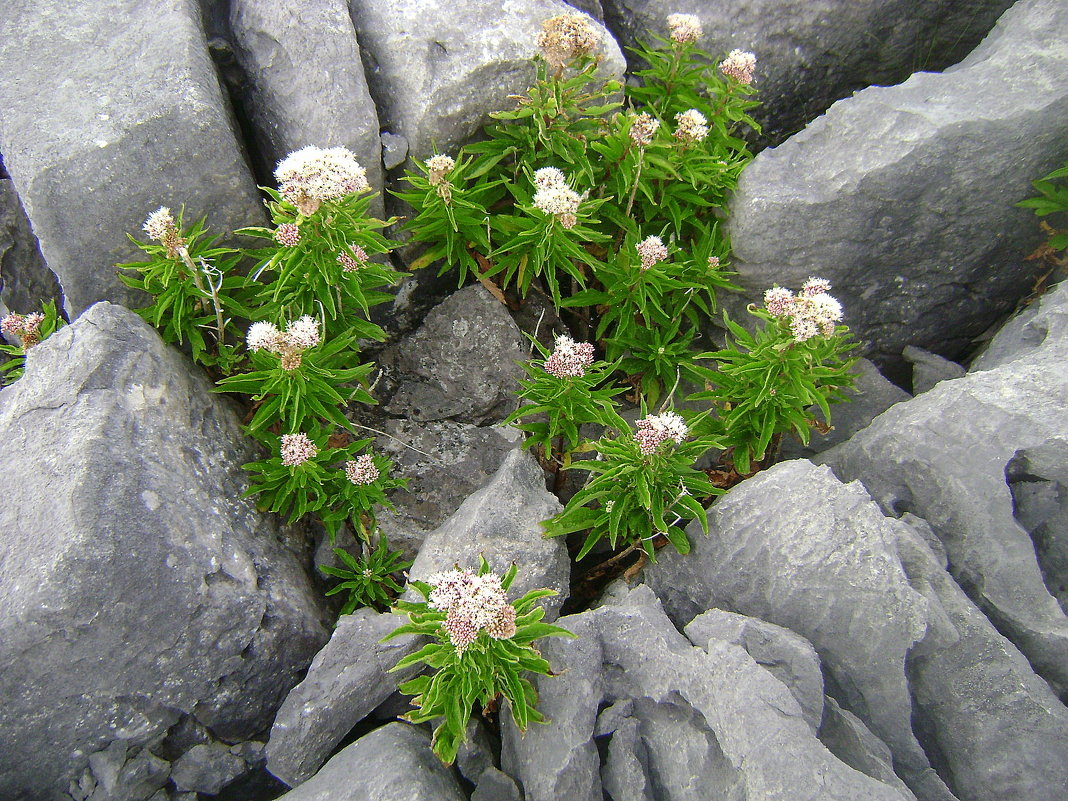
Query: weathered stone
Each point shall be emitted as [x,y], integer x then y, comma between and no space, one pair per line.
[997,729]
[888,194]
[439,71]
[460,365]
[942,456]
[346,681]
[124,134]
[1038,480]
[444,463]
[159,589]
[1027,331]
[625,772]
[493,785]
[846,736]
[813,52]
[795,547]
[475,754]
[305,80]
[393,763]
[25,280]
[206,769]
[929,368]
[711,722]
[502,522]
[871,396]
[787,656]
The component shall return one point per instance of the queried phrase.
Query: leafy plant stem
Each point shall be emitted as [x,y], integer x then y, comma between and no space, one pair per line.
[637,178]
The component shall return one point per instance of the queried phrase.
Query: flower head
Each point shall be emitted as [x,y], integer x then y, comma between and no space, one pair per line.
[643,129]
[815,286]
[739,65]
[262,336]
[297,449]
[287,235]
[160,226]
[651,250]
[691,126]
[300,335]
[312,174]
[570,359]
[472,603]
[27,327]
[559,200]
[810,313]
[654,430]
[778,301]
[548,177]
[354,259]
[713,262]
[684,28]
[303,333]
[362,471]
[439,166]
[565,37]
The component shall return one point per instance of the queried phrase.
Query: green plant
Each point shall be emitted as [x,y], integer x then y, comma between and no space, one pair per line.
[564,391]
[764,383]
[369,578]
[480,648]
[194,285]
[643,485]
[1054,199]
[30,329]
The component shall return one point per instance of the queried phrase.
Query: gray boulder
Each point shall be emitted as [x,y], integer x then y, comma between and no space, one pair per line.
[305,80]
[787,656]
[392,763]
[438,71]
[1038,481]
[888,195]
[502,521]
[705,722]
[811,54]
[25,280]
[206,768]
[943,455]
[929,368]
[460,365]
[795,547]
[997,729]
[346,681]
[444,463]
[130,561]
[125,134]
[870,396]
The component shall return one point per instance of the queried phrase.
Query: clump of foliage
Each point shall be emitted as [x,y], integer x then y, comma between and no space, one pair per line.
[28,330]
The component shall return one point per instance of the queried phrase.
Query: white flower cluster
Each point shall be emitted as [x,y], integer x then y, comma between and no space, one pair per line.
[313,174]
[643,129]
[570,359]
[352,261]
[297,449]
[555,197]
[473,604]
[160,225]
[739,64]
[300,335]
[287,235]
[439,166]
[566,37]
[657,429]
[811,312]
[684,28]
[651,250]
[27,327]
[691,126]
[362,471]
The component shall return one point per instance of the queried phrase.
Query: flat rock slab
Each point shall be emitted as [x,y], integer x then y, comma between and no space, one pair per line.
[133,122]
[129,558]
[393,763]
[811,53]
[943,457]
[888,195]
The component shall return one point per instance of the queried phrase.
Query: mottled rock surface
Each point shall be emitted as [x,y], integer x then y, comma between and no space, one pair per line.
[346,681]
[438,71]
[889,196]
[943,455]
[811,53]
[133,123]
[130,560]
[393,763]
[305,80]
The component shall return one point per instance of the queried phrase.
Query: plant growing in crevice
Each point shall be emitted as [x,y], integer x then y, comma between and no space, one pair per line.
[30,330]
[369,579]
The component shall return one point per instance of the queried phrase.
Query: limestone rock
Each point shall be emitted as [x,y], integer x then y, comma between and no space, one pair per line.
[888,195]
[25,280]
[125,133]
[929,368]
[129,558]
